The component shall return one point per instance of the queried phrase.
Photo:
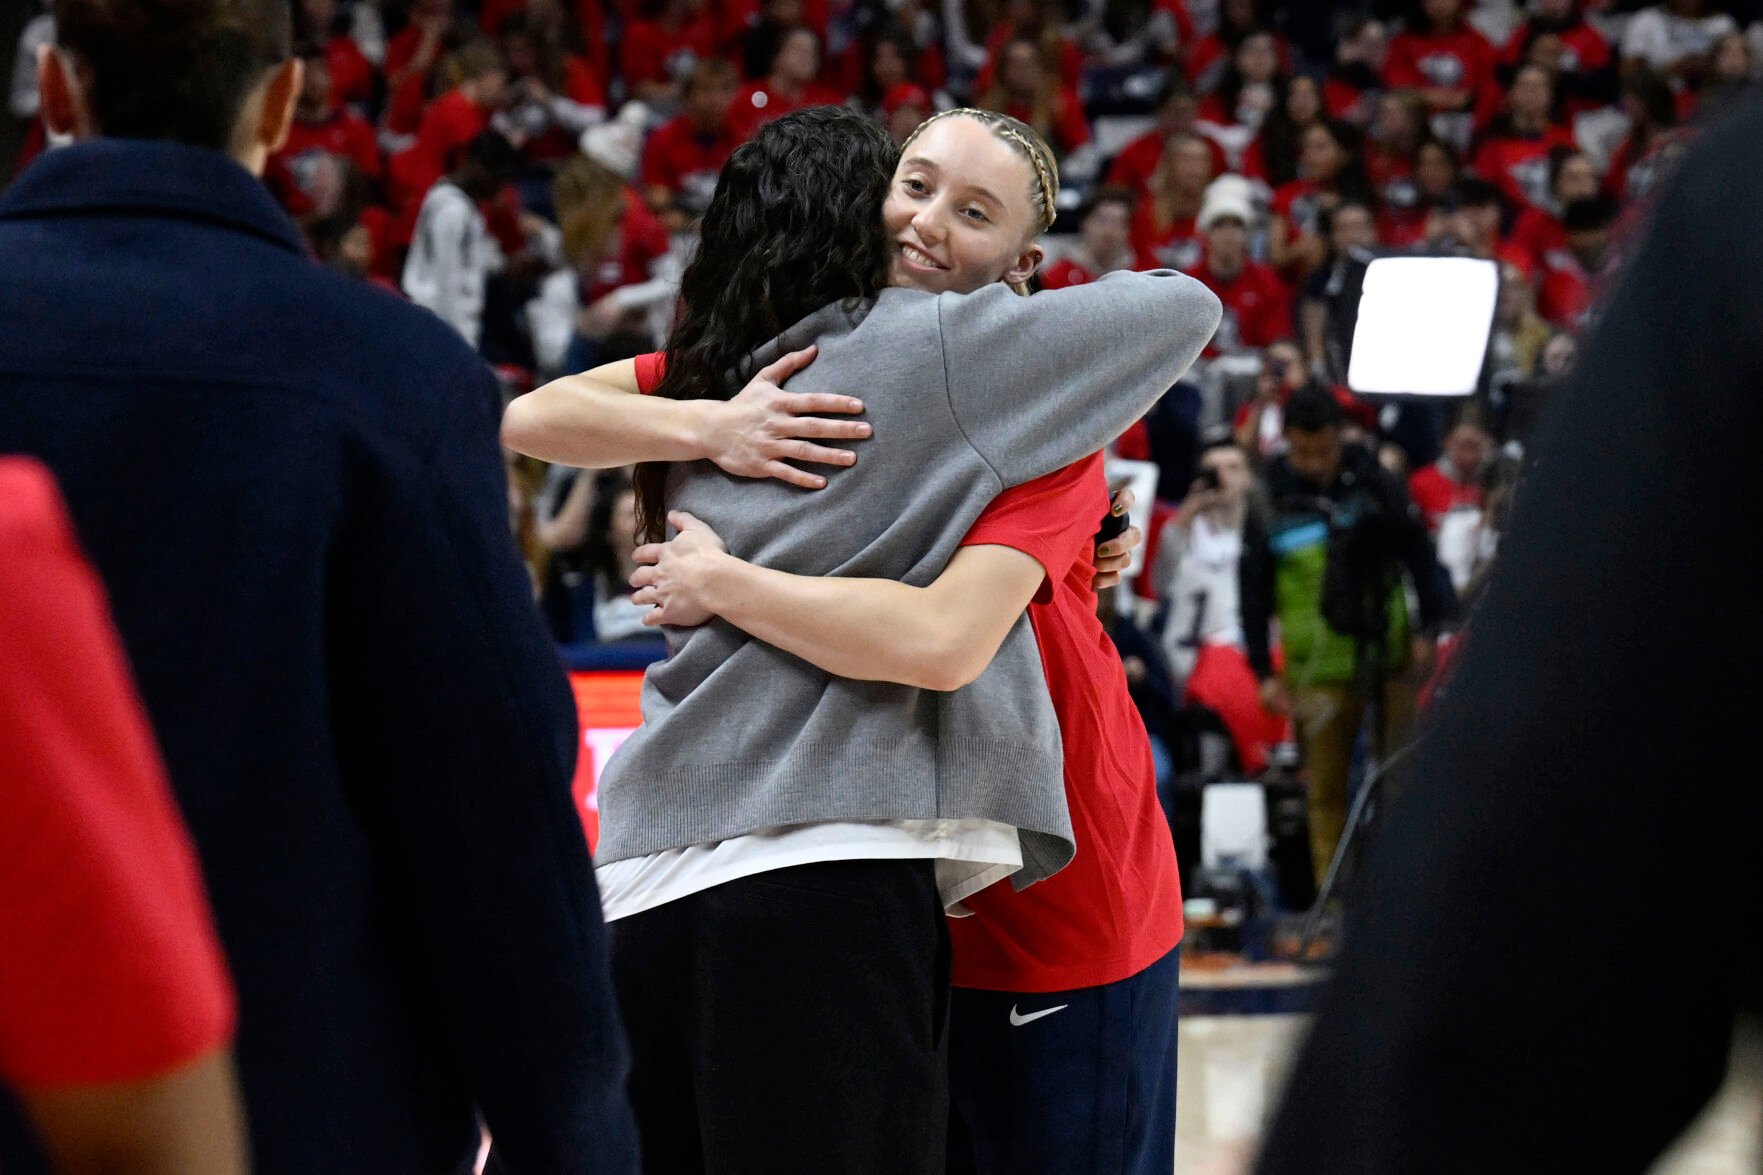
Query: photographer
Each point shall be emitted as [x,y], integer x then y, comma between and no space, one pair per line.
[1342,533]
[1197,571]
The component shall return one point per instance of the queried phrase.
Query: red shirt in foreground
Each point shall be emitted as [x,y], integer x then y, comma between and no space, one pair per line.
[110,971]
[1116,909]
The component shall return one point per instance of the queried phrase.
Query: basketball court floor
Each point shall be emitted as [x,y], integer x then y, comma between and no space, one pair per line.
[1232,1068]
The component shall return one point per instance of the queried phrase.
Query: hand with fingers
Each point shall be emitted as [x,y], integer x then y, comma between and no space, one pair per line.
[675,577]
[764,429]
[1114,554]
[1201,497]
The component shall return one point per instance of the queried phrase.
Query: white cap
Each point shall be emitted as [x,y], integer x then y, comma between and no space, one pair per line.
[617,145]
[1227,196]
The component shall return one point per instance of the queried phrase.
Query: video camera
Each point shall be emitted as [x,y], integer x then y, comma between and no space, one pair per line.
[1361,569]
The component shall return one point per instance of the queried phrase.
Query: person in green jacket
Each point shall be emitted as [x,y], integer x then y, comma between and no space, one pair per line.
[1330,674]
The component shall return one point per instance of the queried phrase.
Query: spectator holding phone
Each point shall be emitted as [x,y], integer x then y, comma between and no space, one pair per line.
[1197,571]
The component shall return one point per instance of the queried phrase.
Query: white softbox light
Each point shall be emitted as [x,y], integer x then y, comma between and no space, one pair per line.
[1423,326]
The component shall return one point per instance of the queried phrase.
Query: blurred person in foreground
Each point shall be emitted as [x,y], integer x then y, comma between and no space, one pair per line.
[116,1013]
[1331,503]
[291,486]
[1545,960]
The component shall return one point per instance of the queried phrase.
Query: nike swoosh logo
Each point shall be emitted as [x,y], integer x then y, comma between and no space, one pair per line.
[1017,1020]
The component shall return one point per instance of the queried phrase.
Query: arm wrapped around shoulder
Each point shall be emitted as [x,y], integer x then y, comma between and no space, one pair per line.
[1039,382]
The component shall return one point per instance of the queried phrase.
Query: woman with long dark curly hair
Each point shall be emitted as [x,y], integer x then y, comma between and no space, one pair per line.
[783,833]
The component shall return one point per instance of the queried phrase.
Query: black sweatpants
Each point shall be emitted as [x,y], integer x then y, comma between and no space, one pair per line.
[792,1021]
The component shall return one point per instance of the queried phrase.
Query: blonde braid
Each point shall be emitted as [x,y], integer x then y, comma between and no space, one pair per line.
[1028,144]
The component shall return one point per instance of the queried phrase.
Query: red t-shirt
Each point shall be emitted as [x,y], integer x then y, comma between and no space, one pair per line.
[351,71]
[290,171]
[1176,245]
[451,121]
[757,104]
[1536,234]
[641,241]
[1068,271]
[1343,99]
[1520,164]
[1462,59]
[1257,306]
[1116,909]
[404,102]
[1437,495]
[652,52]
[1564,291]
[1138,160]
[110,971]
[1299,204]
[679,159]
[1583,51]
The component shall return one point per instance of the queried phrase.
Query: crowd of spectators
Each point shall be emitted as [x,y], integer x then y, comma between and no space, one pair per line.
[531,170]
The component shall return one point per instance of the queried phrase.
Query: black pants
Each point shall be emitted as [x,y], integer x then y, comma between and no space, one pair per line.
[793,1021]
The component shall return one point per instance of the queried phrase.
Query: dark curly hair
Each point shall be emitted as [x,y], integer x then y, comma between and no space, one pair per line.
[795,224]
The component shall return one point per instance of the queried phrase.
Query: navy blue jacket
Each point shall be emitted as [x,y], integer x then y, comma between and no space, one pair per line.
[291,485]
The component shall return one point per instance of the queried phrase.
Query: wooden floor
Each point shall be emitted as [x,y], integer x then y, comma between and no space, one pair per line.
[1232,1067]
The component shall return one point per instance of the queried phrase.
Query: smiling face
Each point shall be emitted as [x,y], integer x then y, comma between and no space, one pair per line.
[959,215]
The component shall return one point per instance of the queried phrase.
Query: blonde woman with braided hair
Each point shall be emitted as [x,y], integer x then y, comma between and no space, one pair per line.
[857,727]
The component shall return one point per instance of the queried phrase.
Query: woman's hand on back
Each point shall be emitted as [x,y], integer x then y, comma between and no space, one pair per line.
[763,429]
[675,577]
[1114,555]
